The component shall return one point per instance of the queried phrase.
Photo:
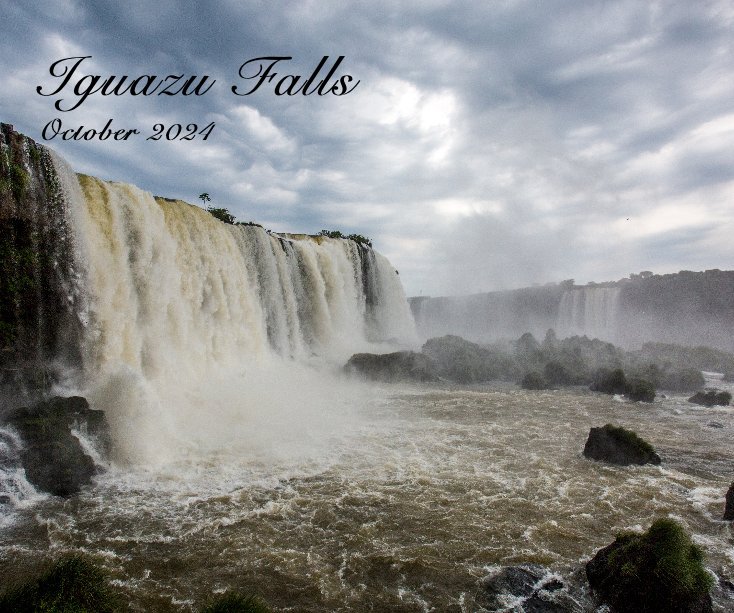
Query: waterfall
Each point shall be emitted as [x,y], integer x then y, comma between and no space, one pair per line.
[590,311]
[195,333]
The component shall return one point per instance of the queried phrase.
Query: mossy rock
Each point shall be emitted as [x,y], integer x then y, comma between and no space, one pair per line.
[660,570]
[618,445]
[71,585]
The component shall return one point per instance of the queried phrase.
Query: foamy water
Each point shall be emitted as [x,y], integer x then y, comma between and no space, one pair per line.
[413,498]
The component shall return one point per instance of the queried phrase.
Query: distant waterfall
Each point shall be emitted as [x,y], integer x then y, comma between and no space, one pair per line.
[590,311]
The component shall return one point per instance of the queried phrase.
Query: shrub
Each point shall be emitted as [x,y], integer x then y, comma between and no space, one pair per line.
[557,373]
[221,214]
[331,233]
[685,380]
[362,240]
[534,381]
[609,381]
[72,585]
[640,390]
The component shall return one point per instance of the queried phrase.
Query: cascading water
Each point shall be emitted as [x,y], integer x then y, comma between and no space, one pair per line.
[590,311]
[186,317]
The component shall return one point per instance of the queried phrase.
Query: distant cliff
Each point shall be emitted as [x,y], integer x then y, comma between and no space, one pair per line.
[690,308]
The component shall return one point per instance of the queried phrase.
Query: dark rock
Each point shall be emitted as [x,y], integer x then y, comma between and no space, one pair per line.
[710,398]
[390,367]
[463,361]
[619,446]
[660,570]
[729,509]
[53,458]
[715,424]
[530,583]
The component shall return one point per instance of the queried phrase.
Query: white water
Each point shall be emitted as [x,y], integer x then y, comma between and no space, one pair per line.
[591,311]
[201,335]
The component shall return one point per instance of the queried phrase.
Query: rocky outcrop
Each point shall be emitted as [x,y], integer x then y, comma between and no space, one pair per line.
[54,458]
[535,586]
[391,367]
[729,509]
[619,446]
[711,398]
[462,361]
[660,570]
[39,330]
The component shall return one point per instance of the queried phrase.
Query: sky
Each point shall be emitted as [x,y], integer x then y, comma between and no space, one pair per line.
[487,145]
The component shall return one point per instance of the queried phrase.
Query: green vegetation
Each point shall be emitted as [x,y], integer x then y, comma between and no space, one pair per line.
[221,214]
[357,238]
[234,602]
[71,585]
[19,180]
[331,233]
[534,381]
[629,438]
[205,197]
[684,380]
[640,390]
[660,570]
[609,382]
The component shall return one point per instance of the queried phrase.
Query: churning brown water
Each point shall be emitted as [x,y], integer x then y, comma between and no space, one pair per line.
[431,490]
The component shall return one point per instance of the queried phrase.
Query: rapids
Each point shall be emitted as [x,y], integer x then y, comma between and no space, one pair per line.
[427,491]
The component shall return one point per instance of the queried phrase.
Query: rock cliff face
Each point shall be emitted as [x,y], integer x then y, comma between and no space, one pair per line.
[39,330]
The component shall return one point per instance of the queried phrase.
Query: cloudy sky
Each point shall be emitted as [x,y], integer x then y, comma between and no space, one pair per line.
[488,145]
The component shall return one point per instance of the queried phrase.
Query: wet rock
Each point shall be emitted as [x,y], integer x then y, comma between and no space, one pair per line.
[729,509]
[53,458]
[532,584]
[660,570]
[463,361]
[619,446]
[715,424]
[391,367]
[711,398]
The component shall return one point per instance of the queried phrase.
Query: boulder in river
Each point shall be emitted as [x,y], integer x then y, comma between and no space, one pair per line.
[392,367]
[538,589]
[53,457]
[660,570]
[619,446]
[729,509]
[711,398]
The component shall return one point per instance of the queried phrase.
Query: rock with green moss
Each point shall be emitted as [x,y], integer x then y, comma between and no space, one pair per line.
[234,602]
[639,390]
[660,570]
[53,457]
[71,585]
[617,445]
